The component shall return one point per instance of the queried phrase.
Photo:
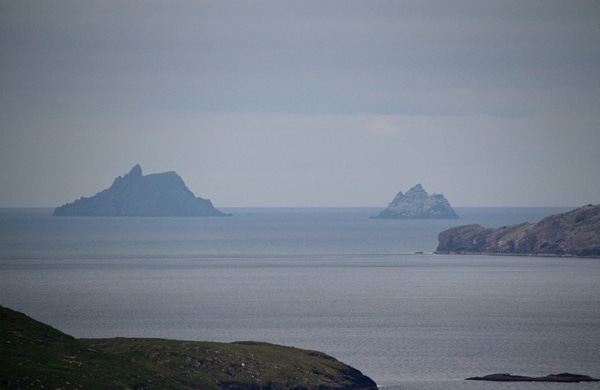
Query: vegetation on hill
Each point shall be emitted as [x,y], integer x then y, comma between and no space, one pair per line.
[36,356]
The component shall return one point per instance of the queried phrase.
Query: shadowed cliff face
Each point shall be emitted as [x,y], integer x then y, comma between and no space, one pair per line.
[135,195]
[418,204]
[574,233]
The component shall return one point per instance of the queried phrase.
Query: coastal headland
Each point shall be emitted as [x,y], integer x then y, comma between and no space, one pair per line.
[575,233]
[36,356]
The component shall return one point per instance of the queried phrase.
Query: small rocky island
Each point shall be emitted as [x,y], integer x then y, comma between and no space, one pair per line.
[560,378]
[135,195]
[574,233]
[418,204]
[36,356]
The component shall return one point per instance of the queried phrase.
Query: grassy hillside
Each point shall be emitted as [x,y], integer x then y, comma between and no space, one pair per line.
[36,356]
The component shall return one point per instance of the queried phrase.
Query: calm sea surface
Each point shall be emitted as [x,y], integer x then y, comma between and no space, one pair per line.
[329,279]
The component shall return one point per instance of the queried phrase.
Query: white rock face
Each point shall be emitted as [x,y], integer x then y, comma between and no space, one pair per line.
[418,204]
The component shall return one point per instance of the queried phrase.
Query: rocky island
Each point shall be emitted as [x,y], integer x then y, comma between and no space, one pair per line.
[36,356]
[135,195]
[418,204]
[574,233]
[559,378]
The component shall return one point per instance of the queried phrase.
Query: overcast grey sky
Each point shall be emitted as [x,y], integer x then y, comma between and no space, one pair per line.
[303,103]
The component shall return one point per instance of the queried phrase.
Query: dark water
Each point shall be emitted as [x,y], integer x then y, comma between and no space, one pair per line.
[326,279]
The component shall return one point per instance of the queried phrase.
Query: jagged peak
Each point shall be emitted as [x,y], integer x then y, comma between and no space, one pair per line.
[417,203]
[417,189]
[135,172]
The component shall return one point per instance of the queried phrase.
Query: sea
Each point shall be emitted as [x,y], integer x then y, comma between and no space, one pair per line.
[370,292]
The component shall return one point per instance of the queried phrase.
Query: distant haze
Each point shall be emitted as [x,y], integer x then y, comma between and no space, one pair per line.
[303,103]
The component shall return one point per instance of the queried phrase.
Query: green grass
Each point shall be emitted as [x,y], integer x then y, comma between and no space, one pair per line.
[36,356]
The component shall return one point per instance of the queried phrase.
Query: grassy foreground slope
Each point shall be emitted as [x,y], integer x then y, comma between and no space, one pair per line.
[36,356]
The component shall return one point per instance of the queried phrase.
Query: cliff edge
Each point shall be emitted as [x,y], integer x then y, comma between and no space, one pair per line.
[135,195]
[418,204]
[574,233]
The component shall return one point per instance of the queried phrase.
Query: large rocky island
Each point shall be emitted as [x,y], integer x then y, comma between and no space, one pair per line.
[36,356]
[135,195]
[418,204]
[574,233]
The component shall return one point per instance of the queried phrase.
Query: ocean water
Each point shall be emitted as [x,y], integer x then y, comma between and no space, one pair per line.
[330,279]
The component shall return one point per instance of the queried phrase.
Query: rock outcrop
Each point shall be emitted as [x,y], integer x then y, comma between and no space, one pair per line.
[418,204]
[574,233]
[135,195]
[560,378]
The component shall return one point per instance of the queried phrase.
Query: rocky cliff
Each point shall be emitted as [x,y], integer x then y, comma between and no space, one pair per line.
[574,233]
[135,195]
[418,204]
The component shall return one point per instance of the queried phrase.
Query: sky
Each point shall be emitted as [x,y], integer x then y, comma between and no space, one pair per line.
[303,103]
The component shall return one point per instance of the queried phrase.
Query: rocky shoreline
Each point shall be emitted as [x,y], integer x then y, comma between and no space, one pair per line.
[575,233]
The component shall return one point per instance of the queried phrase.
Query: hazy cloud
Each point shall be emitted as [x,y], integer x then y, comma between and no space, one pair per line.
[303,103]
